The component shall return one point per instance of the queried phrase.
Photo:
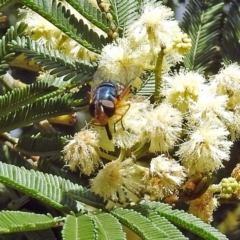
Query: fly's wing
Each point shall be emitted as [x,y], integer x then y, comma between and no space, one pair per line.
[129,74]
[125,76]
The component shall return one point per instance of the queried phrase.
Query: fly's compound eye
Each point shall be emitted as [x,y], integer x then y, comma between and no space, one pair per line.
[103,106]
[109,107]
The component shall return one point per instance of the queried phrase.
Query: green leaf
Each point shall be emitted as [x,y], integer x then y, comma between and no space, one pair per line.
[87,197]
[95,40]
[40,145]
[92,14]
[202,22]
[53,190]
[108,227]
[125,12]
[78,228]
[11,156]
[22,96]
[30,113]
[14,221]
[186,220]
[6,54]
[166,226]
[55,12]
[148,86]
[138,223]
[55,165]
[45,188]
[77,71]
[161,222]
[230,44]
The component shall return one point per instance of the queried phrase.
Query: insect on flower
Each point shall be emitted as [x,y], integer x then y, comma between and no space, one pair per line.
[107,95]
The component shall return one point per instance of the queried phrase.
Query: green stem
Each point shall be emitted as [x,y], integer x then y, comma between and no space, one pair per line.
[158,76]
[141,150]
[106,156]
[122,154]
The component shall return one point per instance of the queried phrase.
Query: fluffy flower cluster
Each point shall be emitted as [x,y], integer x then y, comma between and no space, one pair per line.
[155,31]
[164,127]
[227,82]
[164,177]
[206,147]
[142,123]
[211,113]
[208,107]
[182,88]
[119,181]
[204,206]
[82,152]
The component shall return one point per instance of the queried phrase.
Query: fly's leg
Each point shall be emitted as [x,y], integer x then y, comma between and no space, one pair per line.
[121,115]
[108,131]
[116,124]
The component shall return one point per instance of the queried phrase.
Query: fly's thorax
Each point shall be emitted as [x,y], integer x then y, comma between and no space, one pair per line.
[103,100]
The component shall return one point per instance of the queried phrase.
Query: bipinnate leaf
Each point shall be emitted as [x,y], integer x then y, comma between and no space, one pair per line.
[79,228]
[16,221]
[185,220]
[108,227]
[60,65]
[55,191]
[92,14]
[125,12]
[230,44]
[40,145]
[202,21]
[22,96]
[54,11]
[6,54]
[159,221]
[139,224]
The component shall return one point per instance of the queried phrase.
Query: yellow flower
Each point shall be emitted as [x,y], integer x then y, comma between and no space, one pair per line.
[182,45]
[118,181]
[227,81]
[164,177]
[183,88]
[204,206]
[210,106]
[155,26]
[118,59]
[164,127]
[207,146]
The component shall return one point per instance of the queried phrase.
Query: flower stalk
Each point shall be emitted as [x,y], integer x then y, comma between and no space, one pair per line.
[158,76]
